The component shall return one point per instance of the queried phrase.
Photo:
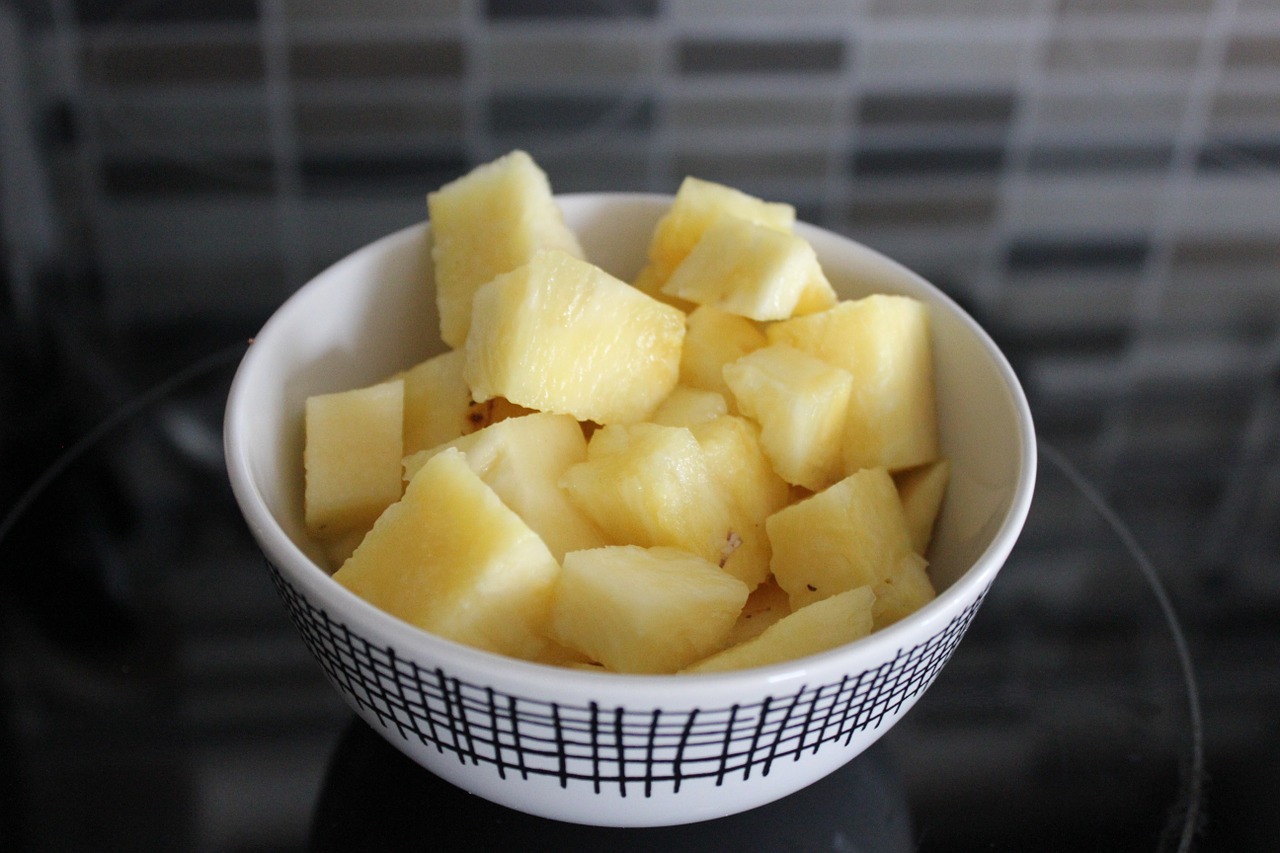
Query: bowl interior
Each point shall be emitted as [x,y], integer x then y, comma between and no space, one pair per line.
[373,313]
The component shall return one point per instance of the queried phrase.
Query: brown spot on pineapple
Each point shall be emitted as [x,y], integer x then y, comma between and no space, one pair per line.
[479,415]
[732,542]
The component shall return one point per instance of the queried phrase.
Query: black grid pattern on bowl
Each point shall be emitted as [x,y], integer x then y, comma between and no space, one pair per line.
[632,750]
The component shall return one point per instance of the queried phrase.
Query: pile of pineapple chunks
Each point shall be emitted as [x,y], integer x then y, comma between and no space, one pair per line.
[719,465]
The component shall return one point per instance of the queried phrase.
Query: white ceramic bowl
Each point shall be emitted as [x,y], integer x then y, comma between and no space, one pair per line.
[585,746]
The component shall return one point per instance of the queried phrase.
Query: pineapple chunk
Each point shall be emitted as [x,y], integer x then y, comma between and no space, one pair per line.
[713,338]
[750,485]
[436,401]
[820,626]
[767,604]
[647,484]
[489,221]
[751,270]
[687,406]
[850,535]
[921,491]
[452,559]
[354,442]
[883,341]
[818,295]
[559,334]
[337,549]
[902,593]
[522,460]
[644,610]
[696,206]
[801,404]
[438,406]
[732,447]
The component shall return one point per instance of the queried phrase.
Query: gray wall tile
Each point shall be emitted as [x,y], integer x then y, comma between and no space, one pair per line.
[512,114]
[172,61]
[499,10]
[759,56]
[518,57]
[395,60]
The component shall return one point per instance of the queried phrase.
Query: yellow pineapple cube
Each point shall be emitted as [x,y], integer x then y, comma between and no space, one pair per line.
[559,334]
[818,627]
[801,403]
[337,549]
[522,459]
[818,295]
[436,401]
[903,592]
[697,204]
[852,534]
[351,455]
[734,455]
[686,406]
[921,490]
[751,487]
[438,406]
[488,222]
[767,604]
[644,610]
[713,338]
[647,484]
[883,342]
[452,559]
[751,270]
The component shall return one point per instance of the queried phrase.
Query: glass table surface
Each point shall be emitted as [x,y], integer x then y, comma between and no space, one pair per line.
[154,696]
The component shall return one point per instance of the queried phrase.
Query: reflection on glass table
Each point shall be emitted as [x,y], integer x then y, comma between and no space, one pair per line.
[154,695]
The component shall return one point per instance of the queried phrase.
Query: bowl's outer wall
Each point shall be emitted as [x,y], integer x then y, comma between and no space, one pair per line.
[617,750]
[687,747]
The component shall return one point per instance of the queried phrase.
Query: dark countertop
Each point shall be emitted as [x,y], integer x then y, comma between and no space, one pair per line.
[155,697]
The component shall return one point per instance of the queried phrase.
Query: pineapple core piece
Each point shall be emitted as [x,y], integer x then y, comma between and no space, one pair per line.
[522,460]
[352,457]
[852,534]
[752,270]
[452,559]
[883,341]
[712,339]
[820,626]
[561,335]
[801,403]
[644,610]
[489,221]
[696,206]
[647,484]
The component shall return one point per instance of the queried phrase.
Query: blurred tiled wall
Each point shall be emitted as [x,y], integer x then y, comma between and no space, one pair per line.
[1098,180]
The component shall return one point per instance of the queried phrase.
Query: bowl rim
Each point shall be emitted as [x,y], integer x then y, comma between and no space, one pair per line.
[302,573]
